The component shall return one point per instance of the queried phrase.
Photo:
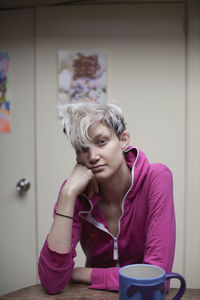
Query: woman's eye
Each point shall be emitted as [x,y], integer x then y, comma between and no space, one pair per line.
[81,150]
[84,149]
[102,142]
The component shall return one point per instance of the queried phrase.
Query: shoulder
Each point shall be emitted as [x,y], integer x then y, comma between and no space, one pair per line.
[159,176]
[157,169]
[159,185]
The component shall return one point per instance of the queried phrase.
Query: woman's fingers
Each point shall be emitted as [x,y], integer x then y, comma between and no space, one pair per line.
[79,179]
[82,178]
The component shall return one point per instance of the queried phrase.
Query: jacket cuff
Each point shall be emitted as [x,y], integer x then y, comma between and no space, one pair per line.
[105,279]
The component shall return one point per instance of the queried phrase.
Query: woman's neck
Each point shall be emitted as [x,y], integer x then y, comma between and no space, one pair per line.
[114,189]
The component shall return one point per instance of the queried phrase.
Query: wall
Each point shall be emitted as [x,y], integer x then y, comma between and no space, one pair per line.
[192,188]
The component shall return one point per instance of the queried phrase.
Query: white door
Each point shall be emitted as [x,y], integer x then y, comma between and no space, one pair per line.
[17,159]
[145,47]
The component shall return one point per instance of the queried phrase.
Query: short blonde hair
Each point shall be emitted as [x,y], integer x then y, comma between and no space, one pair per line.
[78,117]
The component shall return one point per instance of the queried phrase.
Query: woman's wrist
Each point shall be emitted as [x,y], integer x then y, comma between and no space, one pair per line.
[69,192]
[66,203]
[82,275]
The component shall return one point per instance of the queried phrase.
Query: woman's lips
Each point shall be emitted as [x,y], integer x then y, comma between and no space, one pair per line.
[98,168]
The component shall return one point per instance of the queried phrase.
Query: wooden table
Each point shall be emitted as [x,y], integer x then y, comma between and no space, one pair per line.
[81,292]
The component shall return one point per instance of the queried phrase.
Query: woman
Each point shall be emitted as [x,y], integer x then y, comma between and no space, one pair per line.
[115,202]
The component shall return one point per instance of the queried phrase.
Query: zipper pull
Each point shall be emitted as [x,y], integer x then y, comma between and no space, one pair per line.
[115,252]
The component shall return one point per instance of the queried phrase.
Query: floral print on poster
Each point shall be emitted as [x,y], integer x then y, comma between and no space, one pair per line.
[81,76]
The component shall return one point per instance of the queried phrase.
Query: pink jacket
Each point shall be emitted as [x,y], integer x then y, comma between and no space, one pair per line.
[146,230]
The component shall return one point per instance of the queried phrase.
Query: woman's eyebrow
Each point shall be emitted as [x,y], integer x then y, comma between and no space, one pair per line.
[101,135]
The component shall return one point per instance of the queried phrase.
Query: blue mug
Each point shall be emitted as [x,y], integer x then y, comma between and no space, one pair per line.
[146,282]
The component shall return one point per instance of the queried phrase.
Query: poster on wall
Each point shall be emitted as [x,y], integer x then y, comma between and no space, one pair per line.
[4,92]
[81,76]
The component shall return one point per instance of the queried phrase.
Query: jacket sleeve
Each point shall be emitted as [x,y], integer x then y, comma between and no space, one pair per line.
[160,226]
[55,269]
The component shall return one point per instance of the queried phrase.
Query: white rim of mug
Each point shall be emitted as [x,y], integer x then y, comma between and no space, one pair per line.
[143,279]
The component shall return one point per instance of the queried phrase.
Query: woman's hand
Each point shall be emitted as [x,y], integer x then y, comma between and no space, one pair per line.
[81,179]
[82,275]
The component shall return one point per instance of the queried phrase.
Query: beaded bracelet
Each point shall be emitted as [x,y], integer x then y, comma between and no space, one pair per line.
[69,217]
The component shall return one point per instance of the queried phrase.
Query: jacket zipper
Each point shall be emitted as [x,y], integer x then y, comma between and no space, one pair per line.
[115,250]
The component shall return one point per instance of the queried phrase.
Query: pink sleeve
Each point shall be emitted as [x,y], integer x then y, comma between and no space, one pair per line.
[105,279]
[54,269]
[161,228]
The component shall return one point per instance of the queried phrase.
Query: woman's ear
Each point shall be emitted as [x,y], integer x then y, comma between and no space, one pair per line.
[124,139]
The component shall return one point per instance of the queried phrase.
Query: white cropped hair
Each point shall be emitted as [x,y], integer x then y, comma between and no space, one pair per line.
[78,117]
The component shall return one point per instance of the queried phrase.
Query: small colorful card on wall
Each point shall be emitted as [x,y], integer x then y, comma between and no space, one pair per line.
[81,76]
[4,91]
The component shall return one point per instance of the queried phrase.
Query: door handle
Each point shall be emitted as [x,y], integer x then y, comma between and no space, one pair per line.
[23,185]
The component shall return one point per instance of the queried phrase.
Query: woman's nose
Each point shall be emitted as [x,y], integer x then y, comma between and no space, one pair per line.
[93,154]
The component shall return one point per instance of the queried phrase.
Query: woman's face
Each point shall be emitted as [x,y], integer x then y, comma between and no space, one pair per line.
[105,154]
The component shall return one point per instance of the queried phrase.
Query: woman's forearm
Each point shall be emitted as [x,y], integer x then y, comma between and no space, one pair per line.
[59,238]
[82,275]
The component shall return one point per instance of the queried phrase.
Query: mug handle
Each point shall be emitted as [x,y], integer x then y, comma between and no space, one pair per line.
[182,287]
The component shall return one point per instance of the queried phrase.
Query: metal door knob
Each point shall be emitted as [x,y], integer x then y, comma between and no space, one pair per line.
[23,185]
